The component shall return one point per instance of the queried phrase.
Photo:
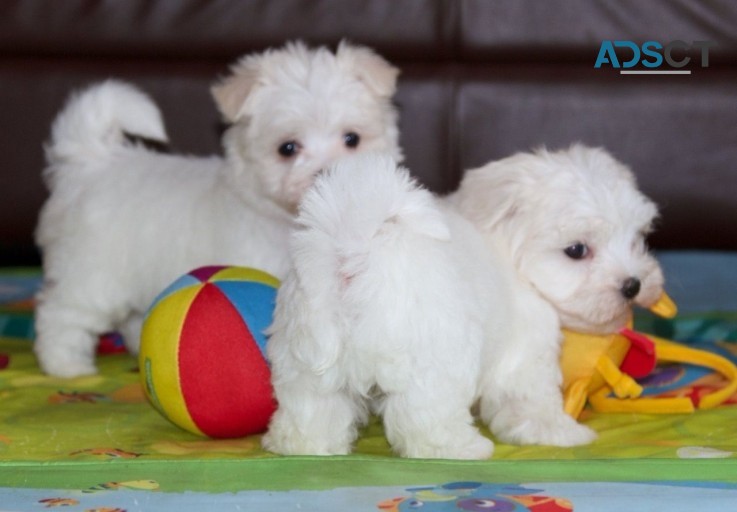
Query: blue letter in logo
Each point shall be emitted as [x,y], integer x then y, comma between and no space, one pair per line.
[658,59]
[606,55]
[635,53]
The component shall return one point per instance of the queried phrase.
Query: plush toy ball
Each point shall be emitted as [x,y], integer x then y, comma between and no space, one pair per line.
[202,355]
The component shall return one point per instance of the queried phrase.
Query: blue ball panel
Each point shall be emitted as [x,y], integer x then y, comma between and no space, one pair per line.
[255,302]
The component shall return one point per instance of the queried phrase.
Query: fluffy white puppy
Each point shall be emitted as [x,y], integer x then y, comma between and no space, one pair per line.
[387,307]
[123,221]
[393,295]
[569,228]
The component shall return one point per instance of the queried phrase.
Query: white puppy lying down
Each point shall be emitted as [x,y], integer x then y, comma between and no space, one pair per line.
[396,299]
[570,227]
[122,221]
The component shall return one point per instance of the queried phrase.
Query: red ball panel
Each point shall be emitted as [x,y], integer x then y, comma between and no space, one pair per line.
[225,380]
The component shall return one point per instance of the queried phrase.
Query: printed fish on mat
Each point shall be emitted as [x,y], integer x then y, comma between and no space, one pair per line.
[143,485]
[59,502]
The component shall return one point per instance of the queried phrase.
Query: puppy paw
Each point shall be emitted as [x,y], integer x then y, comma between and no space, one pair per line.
[466,446]
[288,437]
[79,369]
[570,434]
[68,367]
[299,445]
[558,430]
[68,353]
[478,448]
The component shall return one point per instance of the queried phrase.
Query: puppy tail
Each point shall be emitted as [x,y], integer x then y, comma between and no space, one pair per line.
[365,194]
[355,218]
[100,118]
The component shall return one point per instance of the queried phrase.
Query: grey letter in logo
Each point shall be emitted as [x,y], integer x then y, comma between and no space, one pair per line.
[704,46]
[670,60]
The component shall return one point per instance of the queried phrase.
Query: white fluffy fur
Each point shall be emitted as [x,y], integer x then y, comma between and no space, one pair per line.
[530,208]
[122,221]
[388,305]
[394,295]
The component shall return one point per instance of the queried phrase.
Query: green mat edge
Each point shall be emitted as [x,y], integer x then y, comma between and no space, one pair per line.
[321,473]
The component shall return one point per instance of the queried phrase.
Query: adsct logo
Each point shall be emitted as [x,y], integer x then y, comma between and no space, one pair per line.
[655,57]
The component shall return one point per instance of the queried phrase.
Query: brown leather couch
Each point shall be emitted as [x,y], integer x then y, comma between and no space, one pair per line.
[480,80]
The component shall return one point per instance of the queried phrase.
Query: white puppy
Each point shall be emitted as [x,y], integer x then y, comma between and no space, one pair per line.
[387,306]
[122,221]
[394,295]
[570,228]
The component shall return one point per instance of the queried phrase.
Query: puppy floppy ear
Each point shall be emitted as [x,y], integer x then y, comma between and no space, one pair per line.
[231,92]
[370,68]
[487,195]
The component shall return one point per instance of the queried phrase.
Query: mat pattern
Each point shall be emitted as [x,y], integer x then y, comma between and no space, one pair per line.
[95,443]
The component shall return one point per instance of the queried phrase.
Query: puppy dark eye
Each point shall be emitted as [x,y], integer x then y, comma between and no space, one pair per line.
[288,149]
[577,251]
[351,139]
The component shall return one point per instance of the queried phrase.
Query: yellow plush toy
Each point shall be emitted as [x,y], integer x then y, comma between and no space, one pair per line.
[601,370]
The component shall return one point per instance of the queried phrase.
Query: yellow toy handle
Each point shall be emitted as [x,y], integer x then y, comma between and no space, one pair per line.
[602,402]
[622,384]
[674,353]
[576,396]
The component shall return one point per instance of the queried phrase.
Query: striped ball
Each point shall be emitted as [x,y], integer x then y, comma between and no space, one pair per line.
[202,355]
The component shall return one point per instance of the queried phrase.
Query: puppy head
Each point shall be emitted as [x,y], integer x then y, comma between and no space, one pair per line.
[573,224]
[294,110]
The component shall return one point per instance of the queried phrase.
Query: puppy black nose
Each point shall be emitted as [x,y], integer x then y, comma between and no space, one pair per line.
[630,288]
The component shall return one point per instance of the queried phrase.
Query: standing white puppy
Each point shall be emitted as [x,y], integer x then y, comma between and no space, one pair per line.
[122,221]
[387,307]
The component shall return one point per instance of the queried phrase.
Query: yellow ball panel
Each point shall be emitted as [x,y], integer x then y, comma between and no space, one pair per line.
[245,274]
[159,358]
